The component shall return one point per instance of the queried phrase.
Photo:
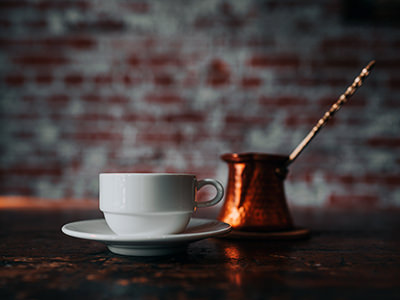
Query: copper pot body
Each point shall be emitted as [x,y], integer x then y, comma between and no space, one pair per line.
[255,198]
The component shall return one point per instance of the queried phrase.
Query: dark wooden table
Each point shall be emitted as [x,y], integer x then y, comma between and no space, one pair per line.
[350,255]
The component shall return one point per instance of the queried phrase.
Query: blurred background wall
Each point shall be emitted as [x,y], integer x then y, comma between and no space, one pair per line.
[91,86]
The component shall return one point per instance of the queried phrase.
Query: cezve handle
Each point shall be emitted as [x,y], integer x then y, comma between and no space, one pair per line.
[328,115]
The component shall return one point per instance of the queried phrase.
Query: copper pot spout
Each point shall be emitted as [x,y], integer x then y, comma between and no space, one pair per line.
[255,198]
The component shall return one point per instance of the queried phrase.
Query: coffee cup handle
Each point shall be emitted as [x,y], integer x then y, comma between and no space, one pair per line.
[218,197]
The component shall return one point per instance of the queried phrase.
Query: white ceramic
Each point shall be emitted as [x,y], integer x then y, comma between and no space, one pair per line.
[154,204]
[98,230]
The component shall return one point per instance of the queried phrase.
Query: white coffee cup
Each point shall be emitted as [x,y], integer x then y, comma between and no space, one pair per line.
[151,204]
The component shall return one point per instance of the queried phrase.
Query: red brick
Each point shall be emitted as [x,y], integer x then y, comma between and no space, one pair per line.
[91,98]
[110,25]
[388,63]
[189,117]
[118,99]
[27,170]
[75,164]
[218,73]
[150,42]
[58,99]
[26,116]
[23,135]
[36,24]
[60,5]
[105,25]
[281,61]
[160,138]
[251,82]
[217,81]
[366,201]
[133,61]
[344,42]
[73,79]
[392,180]
[245,120]
[336,82]
[384,142]
[97,136]
[201,172]
[323,80]
[137,7]
[204,22]
[103,79]
[130,80]
[164,80]
[305,174]
[12,42]
[162,60]
[80,42]
[283,101]
[343,179]
[342,62]
[15,79]
[41,60]
[302,120]
[94,117]
[16,190]
[76,42]
[136,117]
[175,170]
[141,168]
[354,120]
[369,178]
[44,78]
[302,81]
[166,98]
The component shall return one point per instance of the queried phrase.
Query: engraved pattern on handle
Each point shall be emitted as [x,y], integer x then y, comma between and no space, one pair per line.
[358,81]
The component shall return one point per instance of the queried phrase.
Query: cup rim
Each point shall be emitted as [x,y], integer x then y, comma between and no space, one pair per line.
[144,174]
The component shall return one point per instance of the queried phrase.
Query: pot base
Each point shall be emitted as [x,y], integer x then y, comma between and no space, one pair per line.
[292,234]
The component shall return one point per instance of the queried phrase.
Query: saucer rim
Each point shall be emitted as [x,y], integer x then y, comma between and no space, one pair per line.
[177,237]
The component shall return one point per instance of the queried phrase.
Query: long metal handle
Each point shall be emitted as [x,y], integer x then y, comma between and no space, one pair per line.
[334,108]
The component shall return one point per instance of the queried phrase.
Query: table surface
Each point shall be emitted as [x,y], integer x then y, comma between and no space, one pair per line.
[350,255]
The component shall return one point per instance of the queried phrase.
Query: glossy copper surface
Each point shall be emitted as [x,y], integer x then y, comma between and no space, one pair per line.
[255,198]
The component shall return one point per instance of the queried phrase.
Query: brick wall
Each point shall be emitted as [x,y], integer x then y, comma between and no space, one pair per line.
[169,86]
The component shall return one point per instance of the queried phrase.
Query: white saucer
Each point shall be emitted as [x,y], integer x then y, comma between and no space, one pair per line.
[98,230]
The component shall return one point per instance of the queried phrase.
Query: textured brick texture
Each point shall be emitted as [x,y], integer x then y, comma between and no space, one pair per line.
[168,86]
